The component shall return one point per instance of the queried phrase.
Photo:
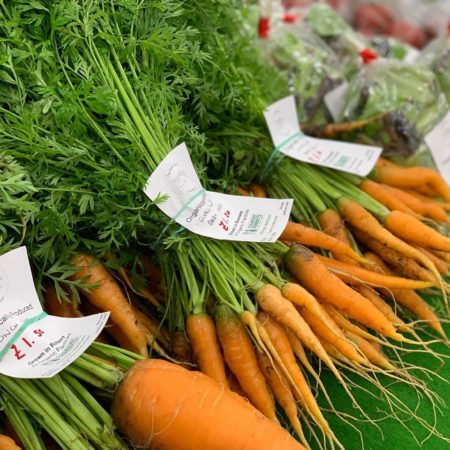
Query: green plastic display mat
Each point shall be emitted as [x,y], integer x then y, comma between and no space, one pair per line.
[404,433]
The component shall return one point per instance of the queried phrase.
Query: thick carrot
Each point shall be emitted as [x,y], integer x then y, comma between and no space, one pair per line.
[201,331]
[6,443]
[361,219]
[160,405]
[280,387]
[358,274]
[418,206]
[333,225]
[281,309]
[410,299]
[413,230]
[181,349]
[119,336]
[107,295]
[241,359]
[301,387]
[57,307]
[257,190]
[326,286]
[402,264]
[383,195]
[337,338]
[300,234]
[412,177]
[374,355]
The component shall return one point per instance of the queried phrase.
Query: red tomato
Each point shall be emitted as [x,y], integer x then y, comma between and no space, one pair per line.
[373,19]
[408,32]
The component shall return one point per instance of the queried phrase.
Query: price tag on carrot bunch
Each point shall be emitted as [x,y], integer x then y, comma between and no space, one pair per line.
[438,141]
[177,190]
[32,343]
[283,124]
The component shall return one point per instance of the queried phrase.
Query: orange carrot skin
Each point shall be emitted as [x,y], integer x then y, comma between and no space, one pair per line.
[6,443]
[382,194]
[327,287]
[162,406]
[413,230]
[296,232]
[332,224]
[241,359]
[108,296]
[442,266]
[257,190]
[201,331]
[57,307]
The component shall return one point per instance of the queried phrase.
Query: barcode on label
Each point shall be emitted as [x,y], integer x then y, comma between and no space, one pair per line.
[342,161]
[254,224]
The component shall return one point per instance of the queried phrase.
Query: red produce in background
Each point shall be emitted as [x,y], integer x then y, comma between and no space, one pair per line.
[373,19]
[408,32]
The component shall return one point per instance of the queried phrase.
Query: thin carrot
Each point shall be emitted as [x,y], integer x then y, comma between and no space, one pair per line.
[6,443]
[162,405]
[234,384]
[444,205]
[241,359]
[412,177]
[413,230]
[243,192]
[302,390]
[201,331]
[119,336]
[272,301]
[181,349]
[382,194]
[441,265]
[332,224]
[57,307]
[374,355]
[107,295]
[279,385]
[326,286]
[257,190]
[402,264]
[410,299]
[418,206]
[361,219]
[353,273]
[295,232]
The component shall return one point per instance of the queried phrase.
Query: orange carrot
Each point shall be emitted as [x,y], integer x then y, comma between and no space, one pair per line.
[361,219]
[444,205]
[257,190]
[413,230]
[326,286]
[404,265]
[280,387]
[241,359]
[410,299]
[336,338]
[412,177]
[6,443]
[383,195]
[272,301]
[418,206]
[333,225]
[301,387]
[181,349]
[295,232]
[108,296]
[162,405]
[374,355]
[57,307]
[234,385]
[358,274]
[243,192]
[442,266]
[201,331]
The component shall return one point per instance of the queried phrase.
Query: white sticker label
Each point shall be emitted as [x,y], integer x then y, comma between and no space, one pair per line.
[335,100]
[211,214]
[438,141]
[32,343]
[282,120]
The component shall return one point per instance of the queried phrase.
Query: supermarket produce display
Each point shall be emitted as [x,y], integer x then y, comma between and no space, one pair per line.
[223,225]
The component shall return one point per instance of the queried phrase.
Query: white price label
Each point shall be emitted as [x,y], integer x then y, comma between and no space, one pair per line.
[335,100]
[211,214]
[32,343]
[411,55]
[438,141]
[282,120]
